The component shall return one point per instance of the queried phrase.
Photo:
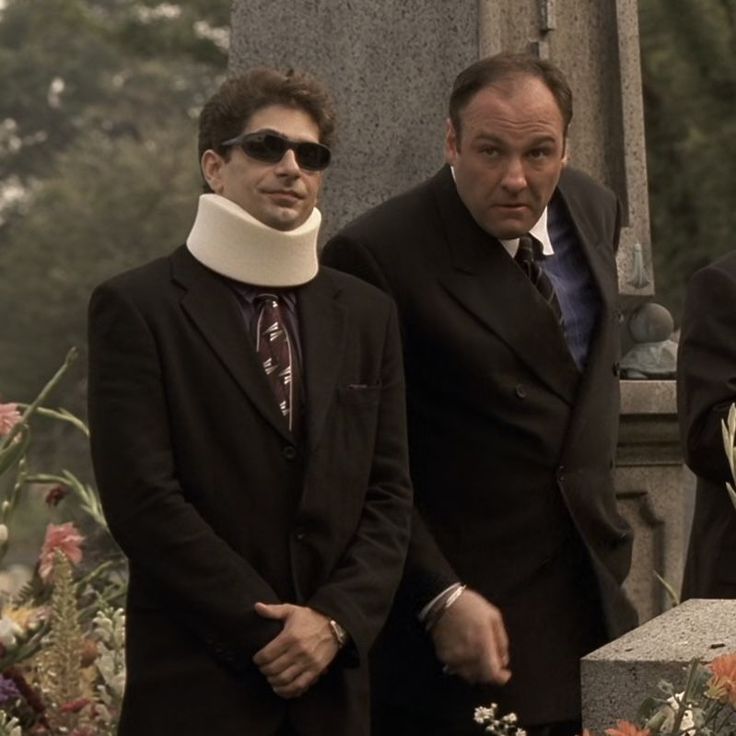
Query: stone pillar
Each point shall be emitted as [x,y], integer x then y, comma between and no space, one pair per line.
[390,66]
[651,492]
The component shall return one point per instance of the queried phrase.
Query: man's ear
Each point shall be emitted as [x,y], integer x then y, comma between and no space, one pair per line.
[212,164]
[564,152]
[452,143]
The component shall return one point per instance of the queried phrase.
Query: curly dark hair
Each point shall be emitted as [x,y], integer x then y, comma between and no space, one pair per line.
[228,111]
[492,69]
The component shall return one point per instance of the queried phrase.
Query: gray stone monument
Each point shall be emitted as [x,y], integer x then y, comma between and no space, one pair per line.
[617,677]
[390,66]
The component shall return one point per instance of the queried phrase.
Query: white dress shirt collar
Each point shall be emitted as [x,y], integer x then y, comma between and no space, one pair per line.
[538,231]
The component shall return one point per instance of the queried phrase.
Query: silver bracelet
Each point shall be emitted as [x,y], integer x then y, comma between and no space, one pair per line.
[437,612]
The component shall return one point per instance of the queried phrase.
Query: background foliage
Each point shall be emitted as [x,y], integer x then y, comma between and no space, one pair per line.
[689,75]
[97,155]
[98,165]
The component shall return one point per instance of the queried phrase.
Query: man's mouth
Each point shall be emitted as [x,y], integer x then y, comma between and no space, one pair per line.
[285,195]
[513,206]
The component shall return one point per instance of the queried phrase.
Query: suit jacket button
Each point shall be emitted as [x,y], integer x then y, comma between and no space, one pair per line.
[289,452]
[520,390]
[300,535]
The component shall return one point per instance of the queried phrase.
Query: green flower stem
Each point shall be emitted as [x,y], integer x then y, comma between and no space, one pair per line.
[30,409]
[728,714]
[687,695]
[14,445]
[62,415]
[89,500]
[9,505]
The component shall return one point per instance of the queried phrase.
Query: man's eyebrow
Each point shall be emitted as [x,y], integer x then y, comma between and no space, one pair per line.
[281,135]
[267,130]
[493,138]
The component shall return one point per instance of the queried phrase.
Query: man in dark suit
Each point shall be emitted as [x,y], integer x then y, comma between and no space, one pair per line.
[503,269]
[248,436]
[706,388]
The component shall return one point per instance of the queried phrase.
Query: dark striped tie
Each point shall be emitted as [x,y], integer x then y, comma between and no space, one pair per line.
[528,259]
[276,351]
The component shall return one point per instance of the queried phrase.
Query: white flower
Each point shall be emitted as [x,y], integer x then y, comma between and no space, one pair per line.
[671,708]
[9,630]
[483,715]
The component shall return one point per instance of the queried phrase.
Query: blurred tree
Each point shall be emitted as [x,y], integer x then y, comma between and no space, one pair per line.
[98,167]
[98,170]
[689,76]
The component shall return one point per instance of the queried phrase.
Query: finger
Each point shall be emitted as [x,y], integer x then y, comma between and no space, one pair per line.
[495,672]
[502,640]
[287,659]
[284,677]
[277,611]
[298,686]
[276,648]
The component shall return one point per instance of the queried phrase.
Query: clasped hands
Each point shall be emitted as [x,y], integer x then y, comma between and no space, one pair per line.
[294,660]
[471,641]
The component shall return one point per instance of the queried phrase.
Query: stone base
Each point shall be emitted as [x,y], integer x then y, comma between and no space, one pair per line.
[617,677]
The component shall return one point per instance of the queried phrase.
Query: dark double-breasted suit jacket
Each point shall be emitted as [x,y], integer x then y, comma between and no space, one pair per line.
[511,448]
[218,506]
[706,388]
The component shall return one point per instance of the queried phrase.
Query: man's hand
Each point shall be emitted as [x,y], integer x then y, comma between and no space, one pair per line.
[294,660]
[471,640]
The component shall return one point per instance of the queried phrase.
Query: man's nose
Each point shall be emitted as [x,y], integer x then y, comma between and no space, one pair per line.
[288,164]
[514,179]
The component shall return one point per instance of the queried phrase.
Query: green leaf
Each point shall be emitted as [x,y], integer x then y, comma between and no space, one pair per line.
[671,592]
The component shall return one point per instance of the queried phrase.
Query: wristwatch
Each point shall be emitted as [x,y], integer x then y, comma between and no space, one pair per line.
[341,636]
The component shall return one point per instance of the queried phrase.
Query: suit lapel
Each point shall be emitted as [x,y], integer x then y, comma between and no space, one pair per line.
[486,282]
[213,308]
[322,326]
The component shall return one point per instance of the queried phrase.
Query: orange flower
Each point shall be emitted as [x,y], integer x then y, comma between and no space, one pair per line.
[626,728]
[722,686]
[63,538]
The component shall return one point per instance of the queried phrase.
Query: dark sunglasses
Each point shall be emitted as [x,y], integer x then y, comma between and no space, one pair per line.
[271,147]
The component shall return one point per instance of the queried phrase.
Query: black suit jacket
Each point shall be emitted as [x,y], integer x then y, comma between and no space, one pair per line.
[217,507]
[706,388]
[511,447]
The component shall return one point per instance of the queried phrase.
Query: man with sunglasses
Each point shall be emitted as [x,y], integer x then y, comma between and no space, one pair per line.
[248,438]
[503,268]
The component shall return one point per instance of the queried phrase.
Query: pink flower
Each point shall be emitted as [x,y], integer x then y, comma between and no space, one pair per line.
[9,417]
[62,537]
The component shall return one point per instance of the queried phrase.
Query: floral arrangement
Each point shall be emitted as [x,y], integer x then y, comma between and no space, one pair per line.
[62,632]
[706,707]
[707,704]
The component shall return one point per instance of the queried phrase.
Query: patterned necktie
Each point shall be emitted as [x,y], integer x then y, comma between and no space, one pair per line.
[527,258]
[276,351]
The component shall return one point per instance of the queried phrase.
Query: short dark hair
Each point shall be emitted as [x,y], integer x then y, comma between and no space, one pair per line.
[228,111]
[492,69]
